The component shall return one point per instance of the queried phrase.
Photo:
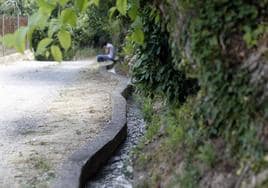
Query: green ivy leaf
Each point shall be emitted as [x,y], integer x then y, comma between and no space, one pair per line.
[65,39]
[121,5]
[56,53]
[68,16]
[138,36]
[42,45]
[81,5]
[20,39]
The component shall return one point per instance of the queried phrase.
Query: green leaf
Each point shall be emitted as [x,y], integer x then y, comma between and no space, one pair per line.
[20,39]
[30,36]
[42,45]
[62,2]
[248,38]
[68,16]
[38,20]
[112,11]
[54,26]
[65,39]
[94,2]
[121,5]
[81,5]
[56,53]
[137,23]
[138,36]
[133,11]
[46,7]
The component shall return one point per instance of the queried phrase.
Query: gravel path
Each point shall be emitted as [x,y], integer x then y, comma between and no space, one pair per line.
[48,110]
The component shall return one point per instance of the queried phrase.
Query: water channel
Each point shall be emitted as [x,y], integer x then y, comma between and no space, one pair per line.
[118,171]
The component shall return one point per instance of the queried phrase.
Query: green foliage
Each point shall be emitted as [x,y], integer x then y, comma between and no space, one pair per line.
[93,27]
[146,106]
[138,36]
[207,154]
[81,5]
[20,40]
[65,39]
[68,17]
[154,69]
[178,121]
[179,132]
[229,101]
[27,7]
[17,7]
[42,45]
[179,45]
[153,128]
[55,18]
[56,52]
[251,37]
[121,6]
[8,40]
[211,41]
[190,176]
[134,9]
[63,2]
[95,2]
[62,15]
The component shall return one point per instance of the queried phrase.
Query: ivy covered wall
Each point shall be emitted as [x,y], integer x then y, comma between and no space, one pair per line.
[223,45]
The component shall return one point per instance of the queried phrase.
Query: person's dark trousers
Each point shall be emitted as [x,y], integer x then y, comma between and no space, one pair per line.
[102,58]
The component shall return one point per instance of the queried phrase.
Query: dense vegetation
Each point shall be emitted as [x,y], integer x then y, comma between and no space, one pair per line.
[222,130]
[17,7]
[201,68]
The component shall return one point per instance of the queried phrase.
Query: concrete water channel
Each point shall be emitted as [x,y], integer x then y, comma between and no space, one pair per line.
[118,171]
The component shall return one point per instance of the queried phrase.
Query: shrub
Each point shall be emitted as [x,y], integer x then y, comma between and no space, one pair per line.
[154,72]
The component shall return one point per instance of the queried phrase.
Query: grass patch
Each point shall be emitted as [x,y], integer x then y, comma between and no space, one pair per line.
[189,177]
[153,128]
[206,154]
[40,163]
[175,136]
[146,105]
[171,136]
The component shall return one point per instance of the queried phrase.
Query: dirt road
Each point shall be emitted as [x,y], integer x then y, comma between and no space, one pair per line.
[48,110]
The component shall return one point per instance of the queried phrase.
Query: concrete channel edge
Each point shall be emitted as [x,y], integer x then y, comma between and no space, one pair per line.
[85,162]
